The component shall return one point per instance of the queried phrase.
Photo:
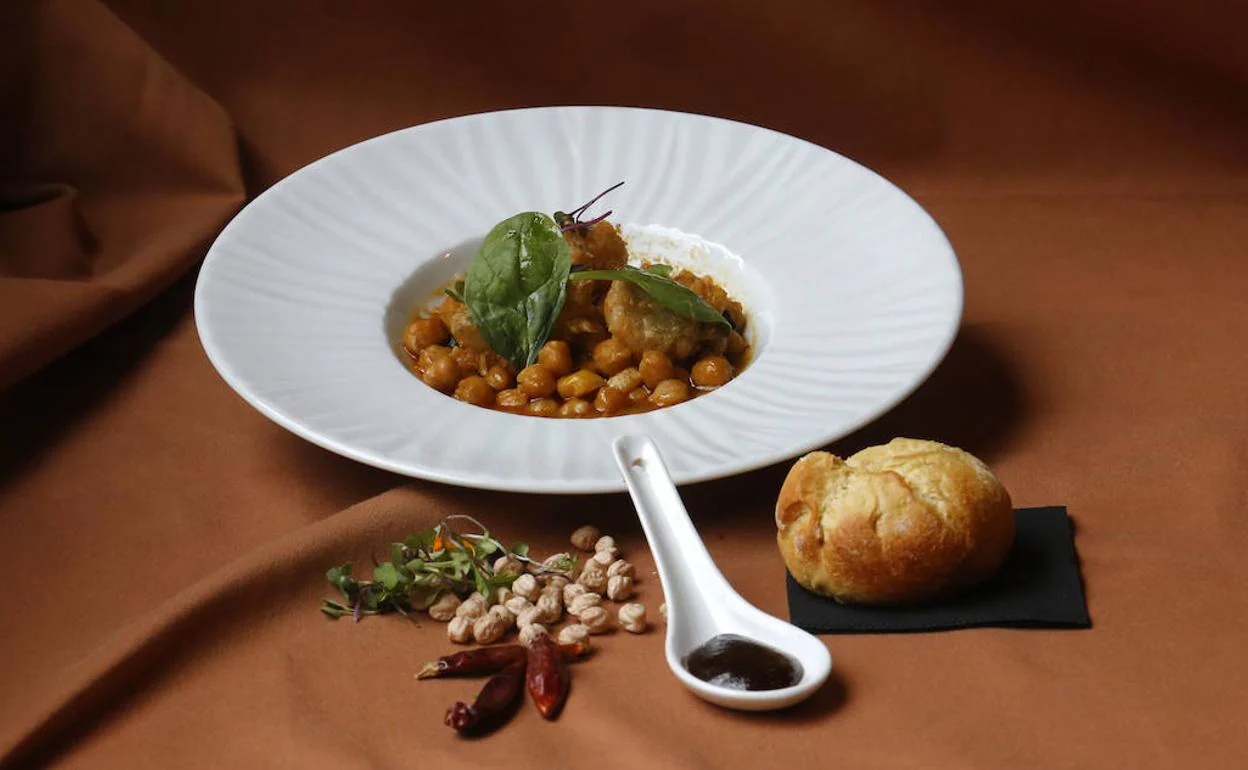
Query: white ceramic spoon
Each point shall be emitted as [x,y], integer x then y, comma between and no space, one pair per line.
[700,602]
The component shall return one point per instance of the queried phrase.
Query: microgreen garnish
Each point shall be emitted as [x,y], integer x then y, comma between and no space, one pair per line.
[427,564]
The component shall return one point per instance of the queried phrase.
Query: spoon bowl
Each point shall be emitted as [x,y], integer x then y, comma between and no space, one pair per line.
[701,604]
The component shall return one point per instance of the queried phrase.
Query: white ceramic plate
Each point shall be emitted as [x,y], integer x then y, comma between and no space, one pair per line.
[852,291]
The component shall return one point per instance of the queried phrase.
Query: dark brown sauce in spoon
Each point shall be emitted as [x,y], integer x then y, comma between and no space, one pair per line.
[740,663]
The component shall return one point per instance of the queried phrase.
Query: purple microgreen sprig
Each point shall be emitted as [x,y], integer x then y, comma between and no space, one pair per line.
[571,220]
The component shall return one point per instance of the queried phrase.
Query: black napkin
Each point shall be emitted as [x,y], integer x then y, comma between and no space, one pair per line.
[1038,587]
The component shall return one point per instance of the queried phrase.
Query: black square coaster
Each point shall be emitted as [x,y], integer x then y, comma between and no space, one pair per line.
[1039,586]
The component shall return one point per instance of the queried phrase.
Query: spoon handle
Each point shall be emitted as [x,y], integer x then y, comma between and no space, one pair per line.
[691,581]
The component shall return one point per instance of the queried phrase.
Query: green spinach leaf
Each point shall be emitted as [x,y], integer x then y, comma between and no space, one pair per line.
[517,285]
[664,290]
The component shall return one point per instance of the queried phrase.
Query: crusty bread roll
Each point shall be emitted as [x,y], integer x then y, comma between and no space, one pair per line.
[893,524]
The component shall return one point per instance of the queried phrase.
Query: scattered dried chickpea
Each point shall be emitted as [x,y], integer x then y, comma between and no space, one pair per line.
[597,619]
[543,407]
[593,576]
[517,604]
[459,630]
[501,595]
[498,377]
[532,631]
[711,372]
[508,565]
[620,567]
[488,628]
[556,581]
[583,602]
[511,398]
[571,591]
[474,390]
[526,586]
[632,617]
[626,379]
[556,559]
[556,357]
[442,374]
[612,356]
[604,543]
[472,608]
[444,608]
[605,558]
[654,368]
[577,633]
[619,588]
[609,400]
[585,537]
[579,384]
[550,608]
[507,616]
[536,381]
[528,617]
[669,392]
[576,407]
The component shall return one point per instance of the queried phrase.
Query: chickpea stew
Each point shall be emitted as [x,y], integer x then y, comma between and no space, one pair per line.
[624,340]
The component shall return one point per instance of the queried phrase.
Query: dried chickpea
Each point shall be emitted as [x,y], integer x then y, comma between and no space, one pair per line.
[475,390]
[431,354]
[570,592]
[663,610]
[625,380]
[576,407]
[556,560]
[507,565]
[557,581]
[550,608]
[532,631]
[469,360]
[501,595]
[579,384]
[585,537]
[517,604]
[619,588]
[655,367]
[609,400]
[593,576]
[444,608]
[511,398]
[632,617]
[620,567]
[442,374]
[556,357]
[471,608]
[459,630]
[507,616]
[638,396]
[605,543]
[605,557]
[669,392]
[543,407]
[536,381]
[530,616]
[498,377]
[488,628]
[526,586]
[711,372]
[612,357]
[597,619]
[577,633]
[583,602]
[425,332]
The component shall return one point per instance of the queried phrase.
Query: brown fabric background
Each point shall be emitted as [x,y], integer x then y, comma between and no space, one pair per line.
[163,544]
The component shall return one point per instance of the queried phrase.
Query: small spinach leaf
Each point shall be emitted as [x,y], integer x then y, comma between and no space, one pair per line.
[517,285]
[664,290]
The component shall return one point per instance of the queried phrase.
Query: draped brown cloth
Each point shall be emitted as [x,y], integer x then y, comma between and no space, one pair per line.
[163,544]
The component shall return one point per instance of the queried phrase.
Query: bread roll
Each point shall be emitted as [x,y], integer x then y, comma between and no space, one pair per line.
[893,524]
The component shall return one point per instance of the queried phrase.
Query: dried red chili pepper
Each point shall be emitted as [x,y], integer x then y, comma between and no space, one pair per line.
[495,702]
[548,676]
[482,660]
